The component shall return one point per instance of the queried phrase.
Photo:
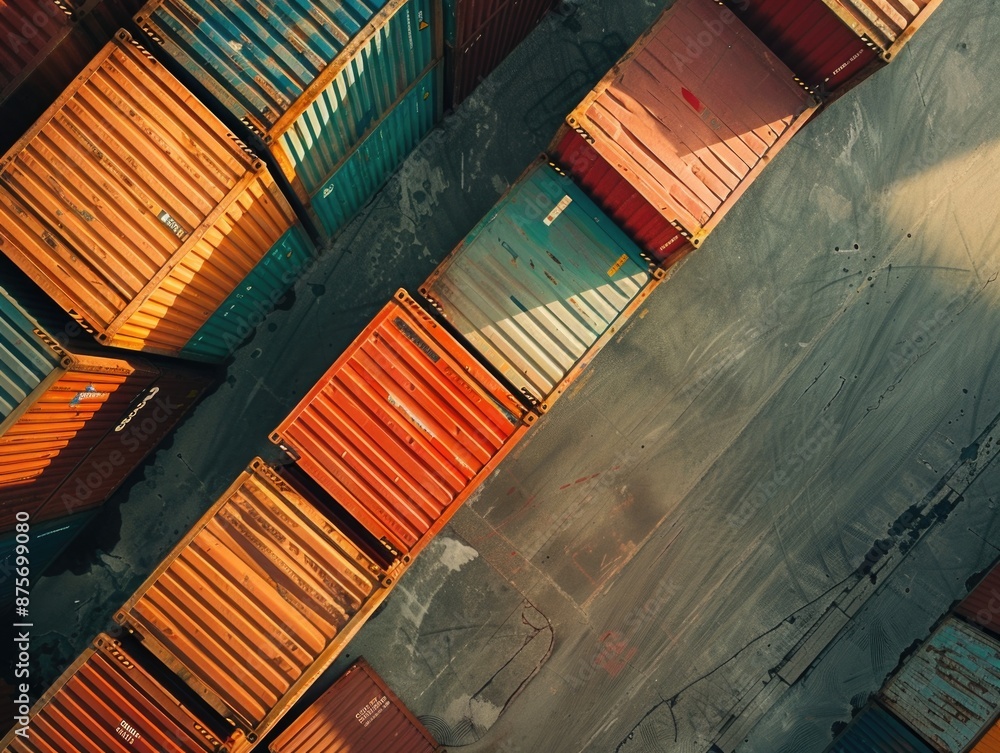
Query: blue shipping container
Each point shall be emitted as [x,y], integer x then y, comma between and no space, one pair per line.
[368,167]
[948,691]
[25,359]
[875,731]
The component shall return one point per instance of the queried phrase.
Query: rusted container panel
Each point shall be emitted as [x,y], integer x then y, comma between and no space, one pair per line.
[403,426]
[132,207]
[949,690]
[990,742]
[112,700]
[541,283]
[888,23]
[30,30]
[691,131]
[487,31]
[359,713]
[619,199]
[810,39]
[256,600]
[875,731]
[982,606]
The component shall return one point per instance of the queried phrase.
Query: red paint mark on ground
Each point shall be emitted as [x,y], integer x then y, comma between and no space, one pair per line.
[615,653]
[565,486]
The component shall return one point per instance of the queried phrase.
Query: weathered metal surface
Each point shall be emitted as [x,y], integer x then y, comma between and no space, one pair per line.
[130,204]
[949,689]
[875,731]
[888,23]
[365,170]
[25,359]
[109,701]
[540,283]
[256,600]
[486,32]
[982,606]
[29,30]
[359,713]
[403,426]
[692,131]
[810,39]
[619,199]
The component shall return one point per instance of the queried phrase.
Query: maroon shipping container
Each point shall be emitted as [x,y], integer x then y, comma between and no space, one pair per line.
[29,30]
[982,606]
[833,44]
[618,198]
[486,32]
[358,714]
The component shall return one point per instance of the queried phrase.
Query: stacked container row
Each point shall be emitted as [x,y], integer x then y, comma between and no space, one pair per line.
[132,207]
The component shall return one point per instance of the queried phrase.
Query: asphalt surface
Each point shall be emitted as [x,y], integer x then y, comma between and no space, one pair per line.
[772,482]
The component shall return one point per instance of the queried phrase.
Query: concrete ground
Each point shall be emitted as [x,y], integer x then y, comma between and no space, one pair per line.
[774,481]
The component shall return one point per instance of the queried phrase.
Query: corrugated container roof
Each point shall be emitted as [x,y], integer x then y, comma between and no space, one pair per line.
[982,606]
[26,358]
[875,731]
[359,713]
[949,689]
[691,131]
[256,600]
[30,29]
[259,60]
[990,742]
[886,23]
[130,204]
[108,702]
[541,283]
[403,426]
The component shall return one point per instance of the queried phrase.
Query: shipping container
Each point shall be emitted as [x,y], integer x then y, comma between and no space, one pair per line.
[359,713]
[541,284]
[366,169]
[133,208]
[311,80]
[45,542]
[948,691]
[77,418]
[117,698]
[256,601]
[619,199]
[29,30]
[486,32]
[990,742]
[875,731]
[692,113]
[982,606]
[403,427]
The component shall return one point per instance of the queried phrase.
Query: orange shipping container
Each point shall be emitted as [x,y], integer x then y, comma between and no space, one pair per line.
[256,601]
[403,427]
[693,112]
[132,207]
[990,742]
[358,714]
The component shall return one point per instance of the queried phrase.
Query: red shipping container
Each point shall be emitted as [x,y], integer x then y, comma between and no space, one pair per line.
[619,199]
[982,606]
[358,714]
[403,427]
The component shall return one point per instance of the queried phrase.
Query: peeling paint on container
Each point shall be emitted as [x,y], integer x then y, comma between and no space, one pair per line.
[692,131]
[403,427]
[132,207]
[366,169]
[875,731]
[359,713]
[541,284]
[256,601]
[948,691]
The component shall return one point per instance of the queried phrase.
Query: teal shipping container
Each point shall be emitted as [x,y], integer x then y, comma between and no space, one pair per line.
[367,168]
[948,691]
[25,359]
[541,284]
[44,542]
[875,731]
[254,298]
[311,79]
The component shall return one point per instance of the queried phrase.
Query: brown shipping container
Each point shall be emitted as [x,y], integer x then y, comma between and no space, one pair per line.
[403,427]
[693,113]
[982,606]
[256,601]
[29,31]
[359,713]
[888,23]
[132,207]
[111,701]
